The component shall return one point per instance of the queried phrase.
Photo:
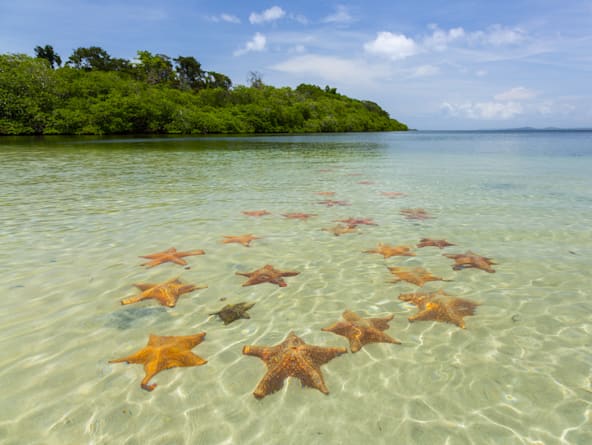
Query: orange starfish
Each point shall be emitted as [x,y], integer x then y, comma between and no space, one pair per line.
[440,243]
[414,275]
[332,202]
[361,331]
[166,293]
[340,229]
[469,259]
[169,255]
[388,251]
[256,212]
[303,216]
[292,358]
[358,221]
[440,306]
[245,240]
[415,214]
[366,182]
[325,193]
[266,274]
[164,353]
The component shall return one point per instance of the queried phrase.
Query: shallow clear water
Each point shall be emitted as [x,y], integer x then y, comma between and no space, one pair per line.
[75,215]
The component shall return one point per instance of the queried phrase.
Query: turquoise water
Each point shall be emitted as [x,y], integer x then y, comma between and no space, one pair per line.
[76,213]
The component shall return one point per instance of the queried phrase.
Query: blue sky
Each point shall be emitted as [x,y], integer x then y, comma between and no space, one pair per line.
[431,64]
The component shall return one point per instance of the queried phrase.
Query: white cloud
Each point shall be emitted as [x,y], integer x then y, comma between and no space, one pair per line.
[440,38]
[269,15]
[257,43]
[497,35]
[425,71]
[484,110]
[393,46]
[517,93]
[333,69]
[229,18]
[341,15]
[299,18]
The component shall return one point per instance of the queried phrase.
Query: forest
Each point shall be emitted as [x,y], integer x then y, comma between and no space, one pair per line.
[93,93]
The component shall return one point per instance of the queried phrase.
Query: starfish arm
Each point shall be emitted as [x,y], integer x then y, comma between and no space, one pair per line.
[188,341]
[321,354]
[289,274]
[377,336]
[153,263]
[244,274]
[423,315]
[183,359]
[151,369]
[464,307]
[310,375]
[140,356]
[270,383]
[339,328]
[191,253]
[381,323]
[145,286]
[263,352]
[134,299]
[177,260]
[186,288]
[355,344]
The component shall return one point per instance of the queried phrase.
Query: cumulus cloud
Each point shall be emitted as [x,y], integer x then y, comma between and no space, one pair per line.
[329,68]
[393,46]
[341,15]
[269,15]
[399,46]
[484,110]
[257,43]
[517,93]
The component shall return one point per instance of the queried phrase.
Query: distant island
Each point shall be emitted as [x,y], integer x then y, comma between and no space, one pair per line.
[96,94]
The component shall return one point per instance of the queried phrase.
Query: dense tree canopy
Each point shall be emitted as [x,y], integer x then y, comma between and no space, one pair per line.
[95,93]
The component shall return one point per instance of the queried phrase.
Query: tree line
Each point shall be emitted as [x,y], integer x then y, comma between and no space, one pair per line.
[95,93]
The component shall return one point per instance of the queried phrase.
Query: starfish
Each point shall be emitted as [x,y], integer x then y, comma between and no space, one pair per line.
[332,202]
[163,353]
[388,251]
[358,221]
[469,259]
[415,214]
[393,194]
[232,312]
[169,255]
[166,293]
[245,240]
[414,275]
[303,216]
[325,193]
[292,358]
[441,243]
[256,212]
[340,229]
[361,331]
[266,274]
[440,306]
[366,182]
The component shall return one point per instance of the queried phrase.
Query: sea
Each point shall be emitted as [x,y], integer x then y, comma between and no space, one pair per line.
[78,213]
